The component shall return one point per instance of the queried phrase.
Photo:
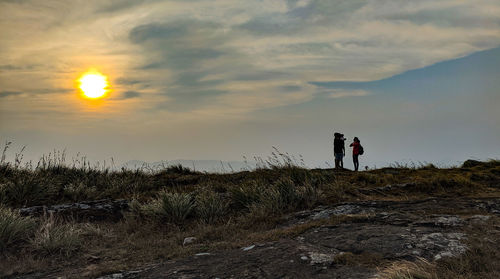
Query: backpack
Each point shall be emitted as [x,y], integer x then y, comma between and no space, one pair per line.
[361,150]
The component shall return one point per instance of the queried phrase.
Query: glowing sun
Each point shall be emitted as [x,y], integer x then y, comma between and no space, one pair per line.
[93,84]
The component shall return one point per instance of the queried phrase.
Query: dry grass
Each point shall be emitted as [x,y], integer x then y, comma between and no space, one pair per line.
[14,228]
[55,237]
[222,211]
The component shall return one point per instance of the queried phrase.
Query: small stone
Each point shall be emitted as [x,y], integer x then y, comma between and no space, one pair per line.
[93,258]
[304,258]
[248,248]
[479,218]
[203,254]
[188,240]
[319,258]
[448,221]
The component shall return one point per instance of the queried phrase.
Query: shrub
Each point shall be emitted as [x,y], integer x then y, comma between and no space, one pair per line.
[95,230]
[270,202]
[299,175]
[53,237]
[366,178]
[22,191]
[14,228]
[79,191]
[444,183]
[284,195]
[310,195]
[246,195]
[173,207]
[287,192]
[178,169]
[471,164]
[210,206]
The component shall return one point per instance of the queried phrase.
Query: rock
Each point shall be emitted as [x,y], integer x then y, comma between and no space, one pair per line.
[202,254]
[448,244]
[448,221]
[248,248]
[87,210]
[92,258]
[325,214]
[345,209]
[319,258]
[394,231]
[479,219]
[188,240]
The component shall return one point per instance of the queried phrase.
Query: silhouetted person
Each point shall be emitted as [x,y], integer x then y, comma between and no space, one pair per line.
[356,146]
[338,150]
[343,150]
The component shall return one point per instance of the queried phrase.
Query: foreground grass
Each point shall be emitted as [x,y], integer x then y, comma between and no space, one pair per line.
[222,211]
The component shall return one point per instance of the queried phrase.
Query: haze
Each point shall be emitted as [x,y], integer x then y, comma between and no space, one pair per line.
[414,80]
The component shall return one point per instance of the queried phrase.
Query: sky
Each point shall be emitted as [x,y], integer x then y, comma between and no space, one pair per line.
[416,81]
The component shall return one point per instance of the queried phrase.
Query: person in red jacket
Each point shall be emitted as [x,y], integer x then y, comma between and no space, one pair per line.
[355,152]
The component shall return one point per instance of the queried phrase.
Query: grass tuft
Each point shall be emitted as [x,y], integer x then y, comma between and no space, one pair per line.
[171,207]
[54,237]
[210,206]
[14,228]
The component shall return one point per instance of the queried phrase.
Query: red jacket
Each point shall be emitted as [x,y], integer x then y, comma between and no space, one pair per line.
[355,149]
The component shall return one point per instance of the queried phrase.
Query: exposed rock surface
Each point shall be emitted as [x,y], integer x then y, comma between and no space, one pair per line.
[382,230]
[188,240]
[88,210]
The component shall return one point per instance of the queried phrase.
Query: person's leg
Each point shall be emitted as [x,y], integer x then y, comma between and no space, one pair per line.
[356,162]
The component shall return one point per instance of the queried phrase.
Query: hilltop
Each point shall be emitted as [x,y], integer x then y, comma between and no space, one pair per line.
[278,221]
[212,166]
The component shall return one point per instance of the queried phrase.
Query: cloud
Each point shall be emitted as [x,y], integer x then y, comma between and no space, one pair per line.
[130,94]
[199,55]
[4,94]
[341,93]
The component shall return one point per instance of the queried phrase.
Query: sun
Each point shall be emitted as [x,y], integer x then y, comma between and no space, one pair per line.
[93,84]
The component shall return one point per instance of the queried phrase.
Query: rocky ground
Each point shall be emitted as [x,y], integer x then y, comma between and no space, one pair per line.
[281,222]
[355,240]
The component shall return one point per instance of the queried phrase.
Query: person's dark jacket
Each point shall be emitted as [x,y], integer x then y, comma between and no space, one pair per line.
[338,145]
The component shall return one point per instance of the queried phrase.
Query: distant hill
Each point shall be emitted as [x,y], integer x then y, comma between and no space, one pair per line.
[216,166]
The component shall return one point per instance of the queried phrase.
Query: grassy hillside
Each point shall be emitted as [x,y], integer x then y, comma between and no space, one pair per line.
[222,211]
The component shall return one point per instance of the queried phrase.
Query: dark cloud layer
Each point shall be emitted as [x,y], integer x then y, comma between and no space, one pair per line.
[9,93]
[130,94]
